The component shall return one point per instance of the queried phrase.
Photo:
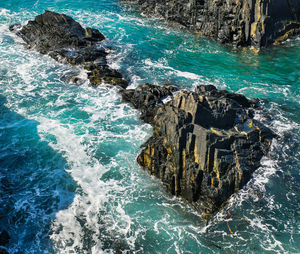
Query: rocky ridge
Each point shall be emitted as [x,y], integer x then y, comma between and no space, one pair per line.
[205,144]
[64,39]
[256,23]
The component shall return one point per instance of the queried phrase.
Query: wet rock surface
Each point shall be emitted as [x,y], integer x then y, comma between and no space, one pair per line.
[64,39]
[257,23]
[205,144]
[148,98]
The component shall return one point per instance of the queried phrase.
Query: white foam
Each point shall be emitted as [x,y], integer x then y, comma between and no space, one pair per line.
[135,81]
[99,205]
[162,64]
[188,75]
[103,104]
[87,172]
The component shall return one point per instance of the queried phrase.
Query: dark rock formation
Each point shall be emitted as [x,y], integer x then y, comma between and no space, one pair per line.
[4,238]
[148,98]
[4,241]
[241,23]
[3,251]
[66,40]
[205,144]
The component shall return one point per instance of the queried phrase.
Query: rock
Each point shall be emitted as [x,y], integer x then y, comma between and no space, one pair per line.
[240,23]
[64,39]
[4,241]
[4,238]
[148,98]
[3,251]
[205,145]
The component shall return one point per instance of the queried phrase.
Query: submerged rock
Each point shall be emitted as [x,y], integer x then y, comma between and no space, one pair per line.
[205,144]
[64,39]
[241,23]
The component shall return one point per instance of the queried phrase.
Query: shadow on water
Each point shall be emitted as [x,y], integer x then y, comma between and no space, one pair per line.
[34,185]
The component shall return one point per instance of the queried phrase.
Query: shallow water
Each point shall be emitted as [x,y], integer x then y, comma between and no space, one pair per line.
[69,182]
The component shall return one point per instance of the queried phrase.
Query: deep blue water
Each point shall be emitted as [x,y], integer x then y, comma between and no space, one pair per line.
[69,182]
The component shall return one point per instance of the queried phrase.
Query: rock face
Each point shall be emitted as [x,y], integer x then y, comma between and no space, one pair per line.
[148,98]
[66,40]
[205,144]
[238,22]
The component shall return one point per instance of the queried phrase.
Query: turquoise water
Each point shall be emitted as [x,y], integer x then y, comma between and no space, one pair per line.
[69,182]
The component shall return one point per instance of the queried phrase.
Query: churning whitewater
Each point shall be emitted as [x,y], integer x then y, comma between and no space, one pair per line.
[69,181]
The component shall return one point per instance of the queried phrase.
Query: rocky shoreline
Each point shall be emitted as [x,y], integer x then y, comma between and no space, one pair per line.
[253,23]
[205,145]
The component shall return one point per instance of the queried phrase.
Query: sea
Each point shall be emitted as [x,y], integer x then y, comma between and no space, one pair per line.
[69,180]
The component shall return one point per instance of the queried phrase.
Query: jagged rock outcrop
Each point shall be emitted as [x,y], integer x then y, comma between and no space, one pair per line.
[205,144]
[64,39]
[238,22]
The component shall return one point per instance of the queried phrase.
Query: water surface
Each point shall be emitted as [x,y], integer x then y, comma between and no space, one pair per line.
[69,182]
